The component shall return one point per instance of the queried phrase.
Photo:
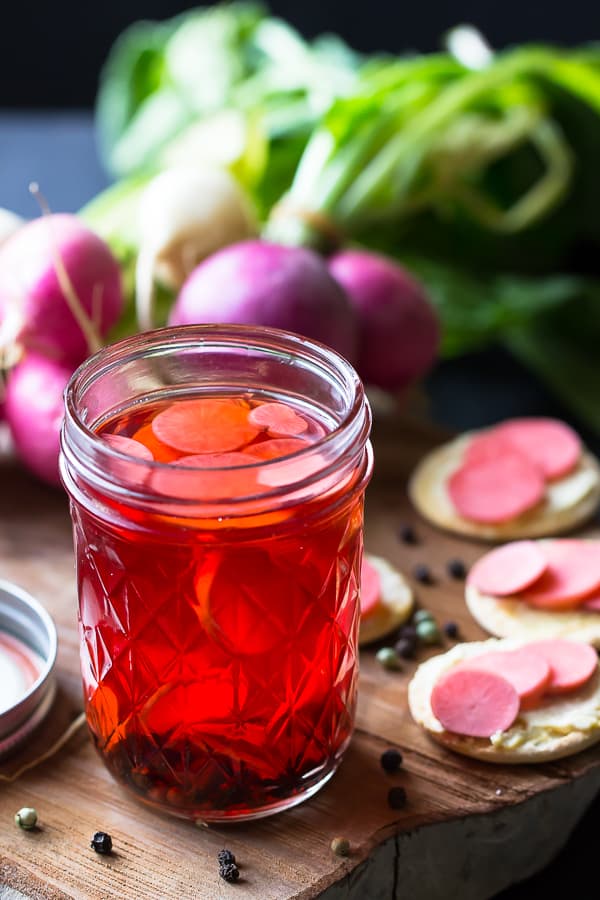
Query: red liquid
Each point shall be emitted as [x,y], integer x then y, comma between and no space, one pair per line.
[219,658]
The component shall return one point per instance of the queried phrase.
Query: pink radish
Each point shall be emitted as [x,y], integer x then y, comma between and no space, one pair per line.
[34,412]
[399,330]
[60,288]
[258,283]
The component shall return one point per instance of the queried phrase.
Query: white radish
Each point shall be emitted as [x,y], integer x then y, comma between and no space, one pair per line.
[185,215]
[9,223]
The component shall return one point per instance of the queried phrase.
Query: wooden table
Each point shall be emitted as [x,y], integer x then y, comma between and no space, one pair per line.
[467,831]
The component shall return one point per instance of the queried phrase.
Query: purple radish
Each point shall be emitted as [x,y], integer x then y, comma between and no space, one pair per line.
[398,327]
[259,283]
[34,412]
[60,288]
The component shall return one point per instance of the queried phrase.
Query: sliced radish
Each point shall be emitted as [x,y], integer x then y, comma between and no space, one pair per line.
[487,445]
[572,663]
[573,572]
[508,569]
[497,490]
[370,588]
[160,452]
[529,673]
[212,476]
[551,445]
[279,419]
[276,448]
[127,445]
[474,702]
[205,425]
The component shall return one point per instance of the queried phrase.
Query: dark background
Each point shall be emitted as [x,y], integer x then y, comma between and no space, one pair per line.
[50,52]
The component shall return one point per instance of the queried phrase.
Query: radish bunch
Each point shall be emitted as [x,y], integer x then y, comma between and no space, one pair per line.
[60,293]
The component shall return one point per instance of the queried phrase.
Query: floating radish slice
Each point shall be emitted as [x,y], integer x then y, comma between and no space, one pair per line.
[572,663]
[370,588]
[279,420]
[276,448]
[572,573]
[508,569]
[205,425]
[551,445]
[529,673]
[233,480]
[474,702]
[496,490]
[127,445]
[160,452]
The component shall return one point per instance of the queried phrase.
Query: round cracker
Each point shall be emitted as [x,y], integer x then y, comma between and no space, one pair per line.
[569,501]
[507,617]
[528,740]
[395,605]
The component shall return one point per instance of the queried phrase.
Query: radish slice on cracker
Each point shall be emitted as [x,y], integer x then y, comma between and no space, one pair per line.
[388,600]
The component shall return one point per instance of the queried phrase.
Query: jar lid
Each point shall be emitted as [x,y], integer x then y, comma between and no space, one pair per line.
[28,645]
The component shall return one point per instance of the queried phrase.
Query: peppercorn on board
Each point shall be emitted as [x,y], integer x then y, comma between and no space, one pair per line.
[454,805]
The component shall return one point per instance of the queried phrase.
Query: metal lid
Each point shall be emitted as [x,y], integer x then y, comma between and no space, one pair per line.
[27,640]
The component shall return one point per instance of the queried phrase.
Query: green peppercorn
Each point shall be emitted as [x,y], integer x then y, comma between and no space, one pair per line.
[422,615]
[428,632]
[388,658]
[26,818]
[340,846]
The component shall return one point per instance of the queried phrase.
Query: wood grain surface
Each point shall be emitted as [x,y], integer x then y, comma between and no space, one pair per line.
[286,856]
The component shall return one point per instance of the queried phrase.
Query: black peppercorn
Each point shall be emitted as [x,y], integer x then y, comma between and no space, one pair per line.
[391,760]
[451,629]
[229,872]
[406,533]
[405,648]
[225,857]
[456,569]
[397,798]
[101,842]
[422,574]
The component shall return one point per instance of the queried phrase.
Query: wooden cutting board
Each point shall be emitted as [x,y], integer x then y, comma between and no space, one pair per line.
[467,831]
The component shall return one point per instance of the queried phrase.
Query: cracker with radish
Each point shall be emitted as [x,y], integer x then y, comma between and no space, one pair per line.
[522,478]
[510,701]
[386,599]
[544,588]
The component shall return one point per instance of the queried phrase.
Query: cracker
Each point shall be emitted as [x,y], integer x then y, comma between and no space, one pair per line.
[395,605]
[507,617]
[576,716]
[569,501]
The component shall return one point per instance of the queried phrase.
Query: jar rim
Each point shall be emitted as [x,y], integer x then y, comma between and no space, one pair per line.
[84,450]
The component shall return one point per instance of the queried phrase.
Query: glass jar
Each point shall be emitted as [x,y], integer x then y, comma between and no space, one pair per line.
[218,603]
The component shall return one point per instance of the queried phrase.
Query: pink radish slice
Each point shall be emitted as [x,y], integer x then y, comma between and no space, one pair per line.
[474,702]
[279,419]
[496,490]
[572,663]
[127,445]
[549,444]
[573,572]
[276,448]
[212,476]
[508,569]
[528,673]
[486,446]
[370,588]
[205,425]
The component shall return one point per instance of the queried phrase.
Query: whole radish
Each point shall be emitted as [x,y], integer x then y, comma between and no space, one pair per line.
[258,283]
[60,288]
[398,327]
[34,412]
